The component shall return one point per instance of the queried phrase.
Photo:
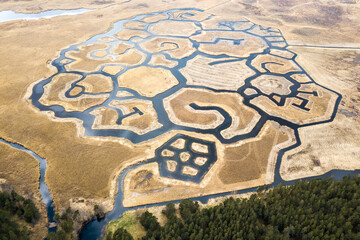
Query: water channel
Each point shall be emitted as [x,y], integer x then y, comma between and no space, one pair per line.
[43,188]
[94,229]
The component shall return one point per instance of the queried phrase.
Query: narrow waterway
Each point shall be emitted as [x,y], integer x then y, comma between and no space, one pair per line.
[43,188]
[95,229]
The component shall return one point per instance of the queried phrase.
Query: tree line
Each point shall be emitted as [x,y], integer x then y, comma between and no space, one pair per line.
[315,209]
[65,225]
[14,207]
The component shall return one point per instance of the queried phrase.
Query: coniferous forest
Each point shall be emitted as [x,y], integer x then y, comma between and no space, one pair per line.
[315,209]
[13,209]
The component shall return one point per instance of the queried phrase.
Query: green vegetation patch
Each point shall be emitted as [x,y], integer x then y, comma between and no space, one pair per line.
[317,209]
[65,225]
[15,213]
[130,222]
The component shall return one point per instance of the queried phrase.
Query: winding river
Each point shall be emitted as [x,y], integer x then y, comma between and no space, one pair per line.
[43,188]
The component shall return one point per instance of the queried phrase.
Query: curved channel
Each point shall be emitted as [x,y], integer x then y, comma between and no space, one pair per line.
[46,196]
[94,229]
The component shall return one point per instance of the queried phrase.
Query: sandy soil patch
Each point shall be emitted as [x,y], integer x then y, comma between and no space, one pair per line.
[185,156]
[189,171]
[200,161]
[198,147]
[179,143]
[167,153]
[100,54]
[106,39]
[171,165]
[282,53]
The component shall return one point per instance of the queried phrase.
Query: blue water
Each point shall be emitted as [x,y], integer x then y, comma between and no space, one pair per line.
[271,37]
[9,15]
[210,155]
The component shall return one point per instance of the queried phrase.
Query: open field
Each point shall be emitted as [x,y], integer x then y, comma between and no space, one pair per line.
[148,81]
[231,171]
[114,94]
[334,145]
[225,76]
[180,111]
[177,48]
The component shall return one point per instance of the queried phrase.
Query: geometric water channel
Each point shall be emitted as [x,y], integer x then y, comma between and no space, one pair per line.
[192,81]
[266,75]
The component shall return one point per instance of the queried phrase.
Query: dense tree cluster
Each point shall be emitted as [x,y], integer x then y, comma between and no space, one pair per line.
[315,209]
[14,207]
[119,234]
[65,225]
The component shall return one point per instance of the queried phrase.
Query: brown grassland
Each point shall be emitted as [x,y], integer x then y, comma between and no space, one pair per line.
[87,167]
[239,165]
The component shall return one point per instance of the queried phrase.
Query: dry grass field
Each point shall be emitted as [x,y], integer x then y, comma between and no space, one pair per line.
[179,110]
[148,81]
[243,164]
[324,36]
[55,94]
[334,145]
